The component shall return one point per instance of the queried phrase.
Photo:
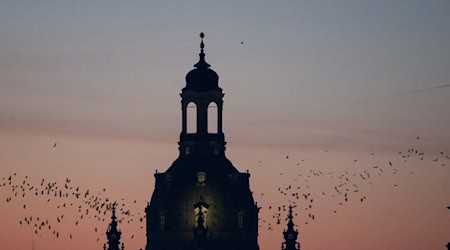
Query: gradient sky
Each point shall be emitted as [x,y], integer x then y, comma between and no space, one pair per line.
[102,78]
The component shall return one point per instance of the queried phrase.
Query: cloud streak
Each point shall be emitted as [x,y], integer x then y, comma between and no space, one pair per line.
[431,88]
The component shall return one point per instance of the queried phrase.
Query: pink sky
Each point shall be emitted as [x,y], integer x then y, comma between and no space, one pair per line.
[411,215]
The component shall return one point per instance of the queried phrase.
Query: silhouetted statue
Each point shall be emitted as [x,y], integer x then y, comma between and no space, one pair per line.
[113,234]
[290,235]
[176,219]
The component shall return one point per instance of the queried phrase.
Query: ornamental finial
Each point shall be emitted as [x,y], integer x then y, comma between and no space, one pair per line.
[202,63]
[202,45]
[113,208]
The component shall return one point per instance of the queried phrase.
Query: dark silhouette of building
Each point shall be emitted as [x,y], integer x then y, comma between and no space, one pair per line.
[202,201]
[290,235]
[448,244]
[113,234]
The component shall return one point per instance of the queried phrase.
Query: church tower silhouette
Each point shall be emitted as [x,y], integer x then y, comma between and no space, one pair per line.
[202,201]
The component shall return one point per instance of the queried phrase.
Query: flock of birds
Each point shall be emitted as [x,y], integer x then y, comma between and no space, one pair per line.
[89,206]
[65,198]
[346,186]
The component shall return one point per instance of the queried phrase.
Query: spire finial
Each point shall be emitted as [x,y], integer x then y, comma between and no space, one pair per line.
[202,63]
[290,212]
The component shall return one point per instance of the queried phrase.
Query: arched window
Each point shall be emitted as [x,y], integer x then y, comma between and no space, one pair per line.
[213,118]
[191,118]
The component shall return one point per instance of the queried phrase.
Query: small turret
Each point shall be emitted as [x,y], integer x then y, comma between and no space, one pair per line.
[113,234]
[290,235]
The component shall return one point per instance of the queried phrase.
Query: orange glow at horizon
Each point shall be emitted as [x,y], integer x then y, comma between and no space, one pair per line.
[396,200]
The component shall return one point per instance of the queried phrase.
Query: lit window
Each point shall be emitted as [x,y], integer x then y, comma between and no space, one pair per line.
[204,212]
[188,150]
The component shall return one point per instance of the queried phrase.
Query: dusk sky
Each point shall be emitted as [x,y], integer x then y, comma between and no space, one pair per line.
[342,85]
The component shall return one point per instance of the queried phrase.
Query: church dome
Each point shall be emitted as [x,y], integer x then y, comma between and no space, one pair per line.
[202,78]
